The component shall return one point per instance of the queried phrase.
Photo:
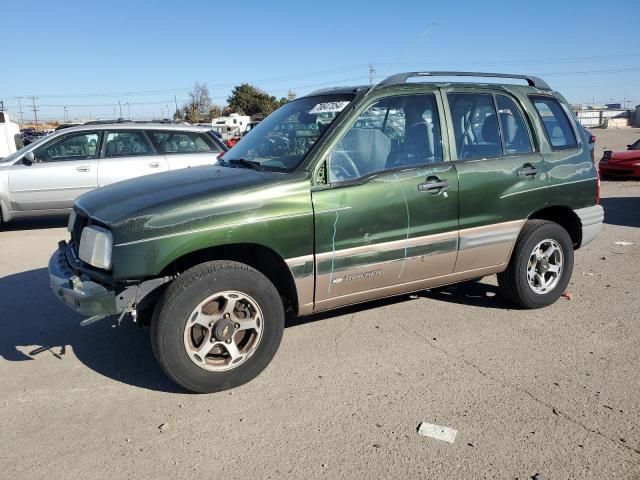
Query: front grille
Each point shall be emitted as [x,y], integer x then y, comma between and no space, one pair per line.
[81,221]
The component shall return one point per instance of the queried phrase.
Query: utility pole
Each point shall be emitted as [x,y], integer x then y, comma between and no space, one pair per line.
[66,115]
[114,113]
[120,107]
[20,110]
[175,99]
[128,111]
[35,111]
[372,73]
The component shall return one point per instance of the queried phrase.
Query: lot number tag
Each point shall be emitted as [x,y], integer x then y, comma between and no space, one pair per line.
[329,107]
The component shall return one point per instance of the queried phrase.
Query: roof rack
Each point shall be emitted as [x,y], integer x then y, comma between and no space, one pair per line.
[403,77]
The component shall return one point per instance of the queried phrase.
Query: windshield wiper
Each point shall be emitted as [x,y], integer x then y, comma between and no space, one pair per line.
[245,163]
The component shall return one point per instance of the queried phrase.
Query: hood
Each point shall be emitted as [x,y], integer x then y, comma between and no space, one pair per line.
[167,190]
[625,156]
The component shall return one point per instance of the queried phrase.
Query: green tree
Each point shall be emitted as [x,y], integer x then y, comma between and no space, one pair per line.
[249,100]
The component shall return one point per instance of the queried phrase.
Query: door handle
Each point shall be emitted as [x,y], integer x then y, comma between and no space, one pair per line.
[154,164]
[434,185]
[83,169]
[527,171]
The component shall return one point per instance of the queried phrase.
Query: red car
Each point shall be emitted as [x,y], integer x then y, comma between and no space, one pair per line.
[621,164]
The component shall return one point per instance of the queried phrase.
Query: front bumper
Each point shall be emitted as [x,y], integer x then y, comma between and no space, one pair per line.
[618,170]
[84,296]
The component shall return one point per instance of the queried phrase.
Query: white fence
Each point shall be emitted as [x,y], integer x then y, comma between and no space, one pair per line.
[599,118]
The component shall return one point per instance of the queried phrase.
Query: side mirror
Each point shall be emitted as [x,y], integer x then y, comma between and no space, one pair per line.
[629,147]
[28,158]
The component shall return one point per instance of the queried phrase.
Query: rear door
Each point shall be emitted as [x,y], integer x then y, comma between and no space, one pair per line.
[184,149]
[64,168]
[502,175]
[128,154]
[387,217]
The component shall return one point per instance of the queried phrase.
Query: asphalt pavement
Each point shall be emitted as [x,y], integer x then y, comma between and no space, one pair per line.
[552,392]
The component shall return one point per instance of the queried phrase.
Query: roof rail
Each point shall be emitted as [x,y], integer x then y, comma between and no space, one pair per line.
[403,77]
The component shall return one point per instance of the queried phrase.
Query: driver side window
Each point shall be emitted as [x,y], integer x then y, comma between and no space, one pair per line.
[395,132]
[78,146]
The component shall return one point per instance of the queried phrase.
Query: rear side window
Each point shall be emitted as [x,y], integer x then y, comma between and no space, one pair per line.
[475,125]
[184,142]
[556,123]
[127,144]
[515,133]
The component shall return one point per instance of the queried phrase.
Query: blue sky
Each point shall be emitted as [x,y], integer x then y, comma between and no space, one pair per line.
[88,56]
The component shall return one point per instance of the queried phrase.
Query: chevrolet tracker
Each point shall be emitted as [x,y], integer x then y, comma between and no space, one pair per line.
[339,197]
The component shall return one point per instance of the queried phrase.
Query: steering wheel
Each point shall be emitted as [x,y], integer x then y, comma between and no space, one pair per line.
[342,167]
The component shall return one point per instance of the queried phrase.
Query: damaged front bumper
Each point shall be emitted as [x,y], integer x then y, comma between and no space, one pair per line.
[91,298]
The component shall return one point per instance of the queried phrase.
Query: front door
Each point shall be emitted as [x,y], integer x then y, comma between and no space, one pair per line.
[503,178]
[63,169]
[128,154]
[387,217]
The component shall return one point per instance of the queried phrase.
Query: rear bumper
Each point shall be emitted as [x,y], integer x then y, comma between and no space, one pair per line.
[591,219]
[83,296]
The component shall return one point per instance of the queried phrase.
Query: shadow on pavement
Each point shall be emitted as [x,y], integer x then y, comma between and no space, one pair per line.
[623,211]
[33,223]
[35,323]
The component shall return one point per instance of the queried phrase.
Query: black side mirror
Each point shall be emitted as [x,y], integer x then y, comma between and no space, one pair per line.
[629,147]
[28,158]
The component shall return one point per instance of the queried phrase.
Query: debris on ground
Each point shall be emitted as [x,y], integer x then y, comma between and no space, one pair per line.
[162,427]
[623,243]
[567,295]
[438,432]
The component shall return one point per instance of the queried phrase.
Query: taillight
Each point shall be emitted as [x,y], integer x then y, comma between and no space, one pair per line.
[598,188]
[592,139]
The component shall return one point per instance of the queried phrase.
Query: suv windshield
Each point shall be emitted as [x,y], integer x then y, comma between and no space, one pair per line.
[283,139]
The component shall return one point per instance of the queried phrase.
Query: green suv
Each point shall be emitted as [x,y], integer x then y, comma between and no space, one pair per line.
[339,197]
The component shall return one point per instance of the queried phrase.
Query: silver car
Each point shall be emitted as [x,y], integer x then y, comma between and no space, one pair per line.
[46,176]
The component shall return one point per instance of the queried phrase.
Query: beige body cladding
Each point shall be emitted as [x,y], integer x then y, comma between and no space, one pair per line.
[444,258]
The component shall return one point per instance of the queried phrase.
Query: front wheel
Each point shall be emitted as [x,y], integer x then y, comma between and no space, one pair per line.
[217,326]
[540,267]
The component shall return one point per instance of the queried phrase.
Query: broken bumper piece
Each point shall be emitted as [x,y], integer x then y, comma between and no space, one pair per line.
[84,296]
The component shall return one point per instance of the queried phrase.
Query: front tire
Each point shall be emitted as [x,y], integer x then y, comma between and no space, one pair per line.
[217,326]
[540,267]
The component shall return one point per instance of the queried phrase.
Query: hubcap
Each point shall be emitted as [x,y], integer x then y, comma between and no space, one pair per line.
[544,268]
[223,331]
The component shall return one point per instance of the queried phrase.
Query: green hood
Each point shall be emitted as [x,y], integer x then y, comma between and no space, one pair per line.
[151,193]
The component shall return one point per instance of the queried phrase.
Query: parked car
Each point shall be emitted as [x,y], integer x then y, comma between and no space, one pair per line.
[470,181]
[231,142]
[621,164]
[46,176]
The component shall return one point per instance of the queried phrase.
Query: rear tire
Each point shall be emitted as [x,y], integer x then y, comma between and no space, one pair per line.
[217,326]
[540,267]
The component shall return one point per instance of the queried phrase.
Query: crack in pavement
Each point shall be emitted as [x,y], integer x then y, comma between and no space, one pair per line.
[337,337]
[524,391]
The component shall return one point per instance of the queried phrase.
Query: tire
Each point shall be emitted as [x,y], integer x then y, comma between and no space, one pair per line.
[514,284]
[172,335]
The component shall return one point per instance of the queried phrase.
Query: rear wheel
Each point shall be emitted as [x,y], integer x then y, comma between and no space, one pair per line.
[217,326]
[540,267]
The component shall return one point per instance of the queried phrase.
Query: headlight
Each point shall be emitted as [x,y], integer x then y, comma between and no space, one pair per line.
[95,247]
[72,220]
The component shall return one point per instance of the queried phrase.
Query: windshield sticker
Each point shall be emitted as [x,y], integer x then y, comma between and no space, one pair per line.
[329,107]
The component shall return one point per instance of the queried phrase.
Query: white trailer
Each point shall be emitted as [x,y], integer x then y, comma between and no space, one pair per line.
[9,135]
